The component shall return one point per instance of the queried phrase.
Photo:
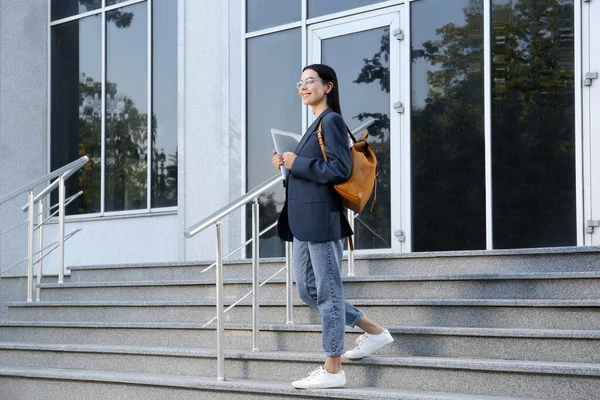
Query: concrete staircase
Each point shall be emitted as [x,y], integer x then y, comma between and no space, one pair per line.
[467,325]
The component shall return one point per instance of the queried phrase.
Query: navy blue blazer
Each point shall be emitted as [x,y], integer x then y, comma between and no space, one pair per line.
[312,210]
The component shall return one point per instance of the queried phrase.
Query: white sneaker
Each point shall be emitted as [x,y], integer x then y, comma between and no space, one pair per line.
[321,379]
[368,344]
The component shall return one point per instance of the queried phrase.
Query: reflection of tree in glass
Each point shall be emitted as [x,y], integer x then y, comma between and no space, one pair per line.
[533,125]
[126,146]
[448,164]
[374,228]
[126,143]
[120,18]
[532,130]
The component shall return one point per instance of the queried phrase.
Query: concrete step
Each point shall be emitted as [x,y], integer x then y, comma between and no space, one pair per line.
[475,313]
[515,344]
[548,380]
[557,259]
[171,271]
[19,383]
[557,285]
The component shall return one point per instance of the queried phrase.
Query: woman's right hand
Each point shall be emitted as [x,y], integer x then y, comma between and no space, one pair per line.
[277,160]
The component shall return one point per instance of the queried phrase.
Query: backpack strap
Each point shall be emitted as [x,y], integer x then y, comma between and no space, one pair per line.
[321,142]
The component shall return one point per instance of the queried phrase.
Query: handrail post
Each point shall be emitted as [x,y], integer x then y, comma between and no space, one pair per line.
[219,298]
[255,275]
[30,222]
[40,247]
[288,284]
[350,251]
[61,229]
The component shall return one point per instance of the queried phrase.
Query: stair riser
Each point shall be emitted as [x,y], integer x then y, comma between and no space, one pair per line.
[230,271]
[405,266]
[14,388]
[530,349]
[550,386]
[558,289]
[448,316]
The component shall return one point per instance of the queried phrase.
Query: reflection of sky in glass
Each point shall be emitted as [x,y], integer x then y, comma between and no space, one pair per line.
[273,68]
[427,16]
[316,8]
[356,98]
[90,47]
[127,55]
[164,74]
[262,14]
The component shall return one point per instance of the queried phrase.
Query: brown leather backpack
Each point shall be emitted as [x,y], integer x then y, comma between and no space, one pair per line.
[357,190]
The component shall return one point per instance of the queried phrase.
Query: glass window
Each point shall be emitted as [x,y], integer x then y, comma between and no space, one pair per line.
[67,8]
[164,104]
[126,108]
[76,107]
[317,8]
[262,14]
[447,138]
[533,123]
[272,102]
[77,112]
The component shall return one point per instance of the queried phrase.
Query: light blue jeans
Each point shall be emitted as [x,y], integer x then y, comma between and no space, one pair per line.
[318,272]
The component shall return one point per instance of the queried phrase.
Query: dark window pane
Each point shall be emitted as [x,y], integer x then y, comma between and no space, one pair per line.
[126,108]
[113,2]
[363,73]
[164,99]
[316,8]
[447,138]
[76,73]
[67,8]
[533,123]
[262,14]
[272,102]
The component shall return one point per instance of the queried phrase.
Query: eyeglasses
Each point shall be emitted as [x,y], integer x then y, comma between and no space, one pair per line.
[307,82]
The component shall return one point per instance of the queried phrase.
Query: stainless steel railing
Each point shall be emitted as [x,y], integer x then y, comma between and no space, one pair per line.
[59,176]
[216,220]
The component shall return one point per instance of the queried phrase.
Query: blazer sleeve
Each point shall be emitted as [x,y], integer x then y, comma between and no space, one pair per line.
[339,161]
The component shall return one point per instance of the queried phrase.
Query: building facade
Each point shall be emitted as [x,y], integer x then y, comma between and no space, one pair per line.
[484,125]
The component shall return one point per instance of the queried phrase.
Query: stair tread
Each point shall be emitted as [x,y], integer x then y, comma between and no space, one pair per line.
[413,330]
[368,278]
[541,367]
[365,302]
[235,385]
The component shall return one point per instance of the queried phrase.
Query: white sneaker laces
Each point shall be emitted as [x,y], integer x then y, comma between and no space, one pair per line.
[360,340]
[314,373]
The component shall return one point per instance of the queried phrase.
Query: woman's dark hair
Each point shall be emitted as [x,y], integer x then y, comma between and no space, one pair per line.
[327,73]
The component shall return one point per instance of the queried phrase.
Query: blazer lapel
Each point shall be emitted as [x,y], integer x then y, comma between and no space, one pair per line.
[310,130]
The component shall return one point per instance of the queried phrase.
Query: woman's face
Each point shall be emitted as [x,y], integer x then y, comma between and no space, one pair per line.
[312,89]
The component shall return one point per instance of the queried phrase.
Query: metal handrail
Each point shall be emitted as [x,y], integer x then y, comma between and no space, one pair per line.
[216,219]
[61,175]
[75,165]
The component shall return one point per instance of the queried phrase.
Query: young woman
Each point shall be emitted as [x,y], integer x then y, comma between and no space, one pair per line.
[315,220]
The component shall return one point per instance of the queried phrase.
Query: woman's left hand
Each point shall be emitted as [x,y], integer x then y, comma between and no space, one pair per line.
[288,159]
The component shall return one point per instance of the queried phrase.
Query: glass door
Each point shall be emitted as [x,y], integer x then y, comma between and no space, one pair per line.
[365,53]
